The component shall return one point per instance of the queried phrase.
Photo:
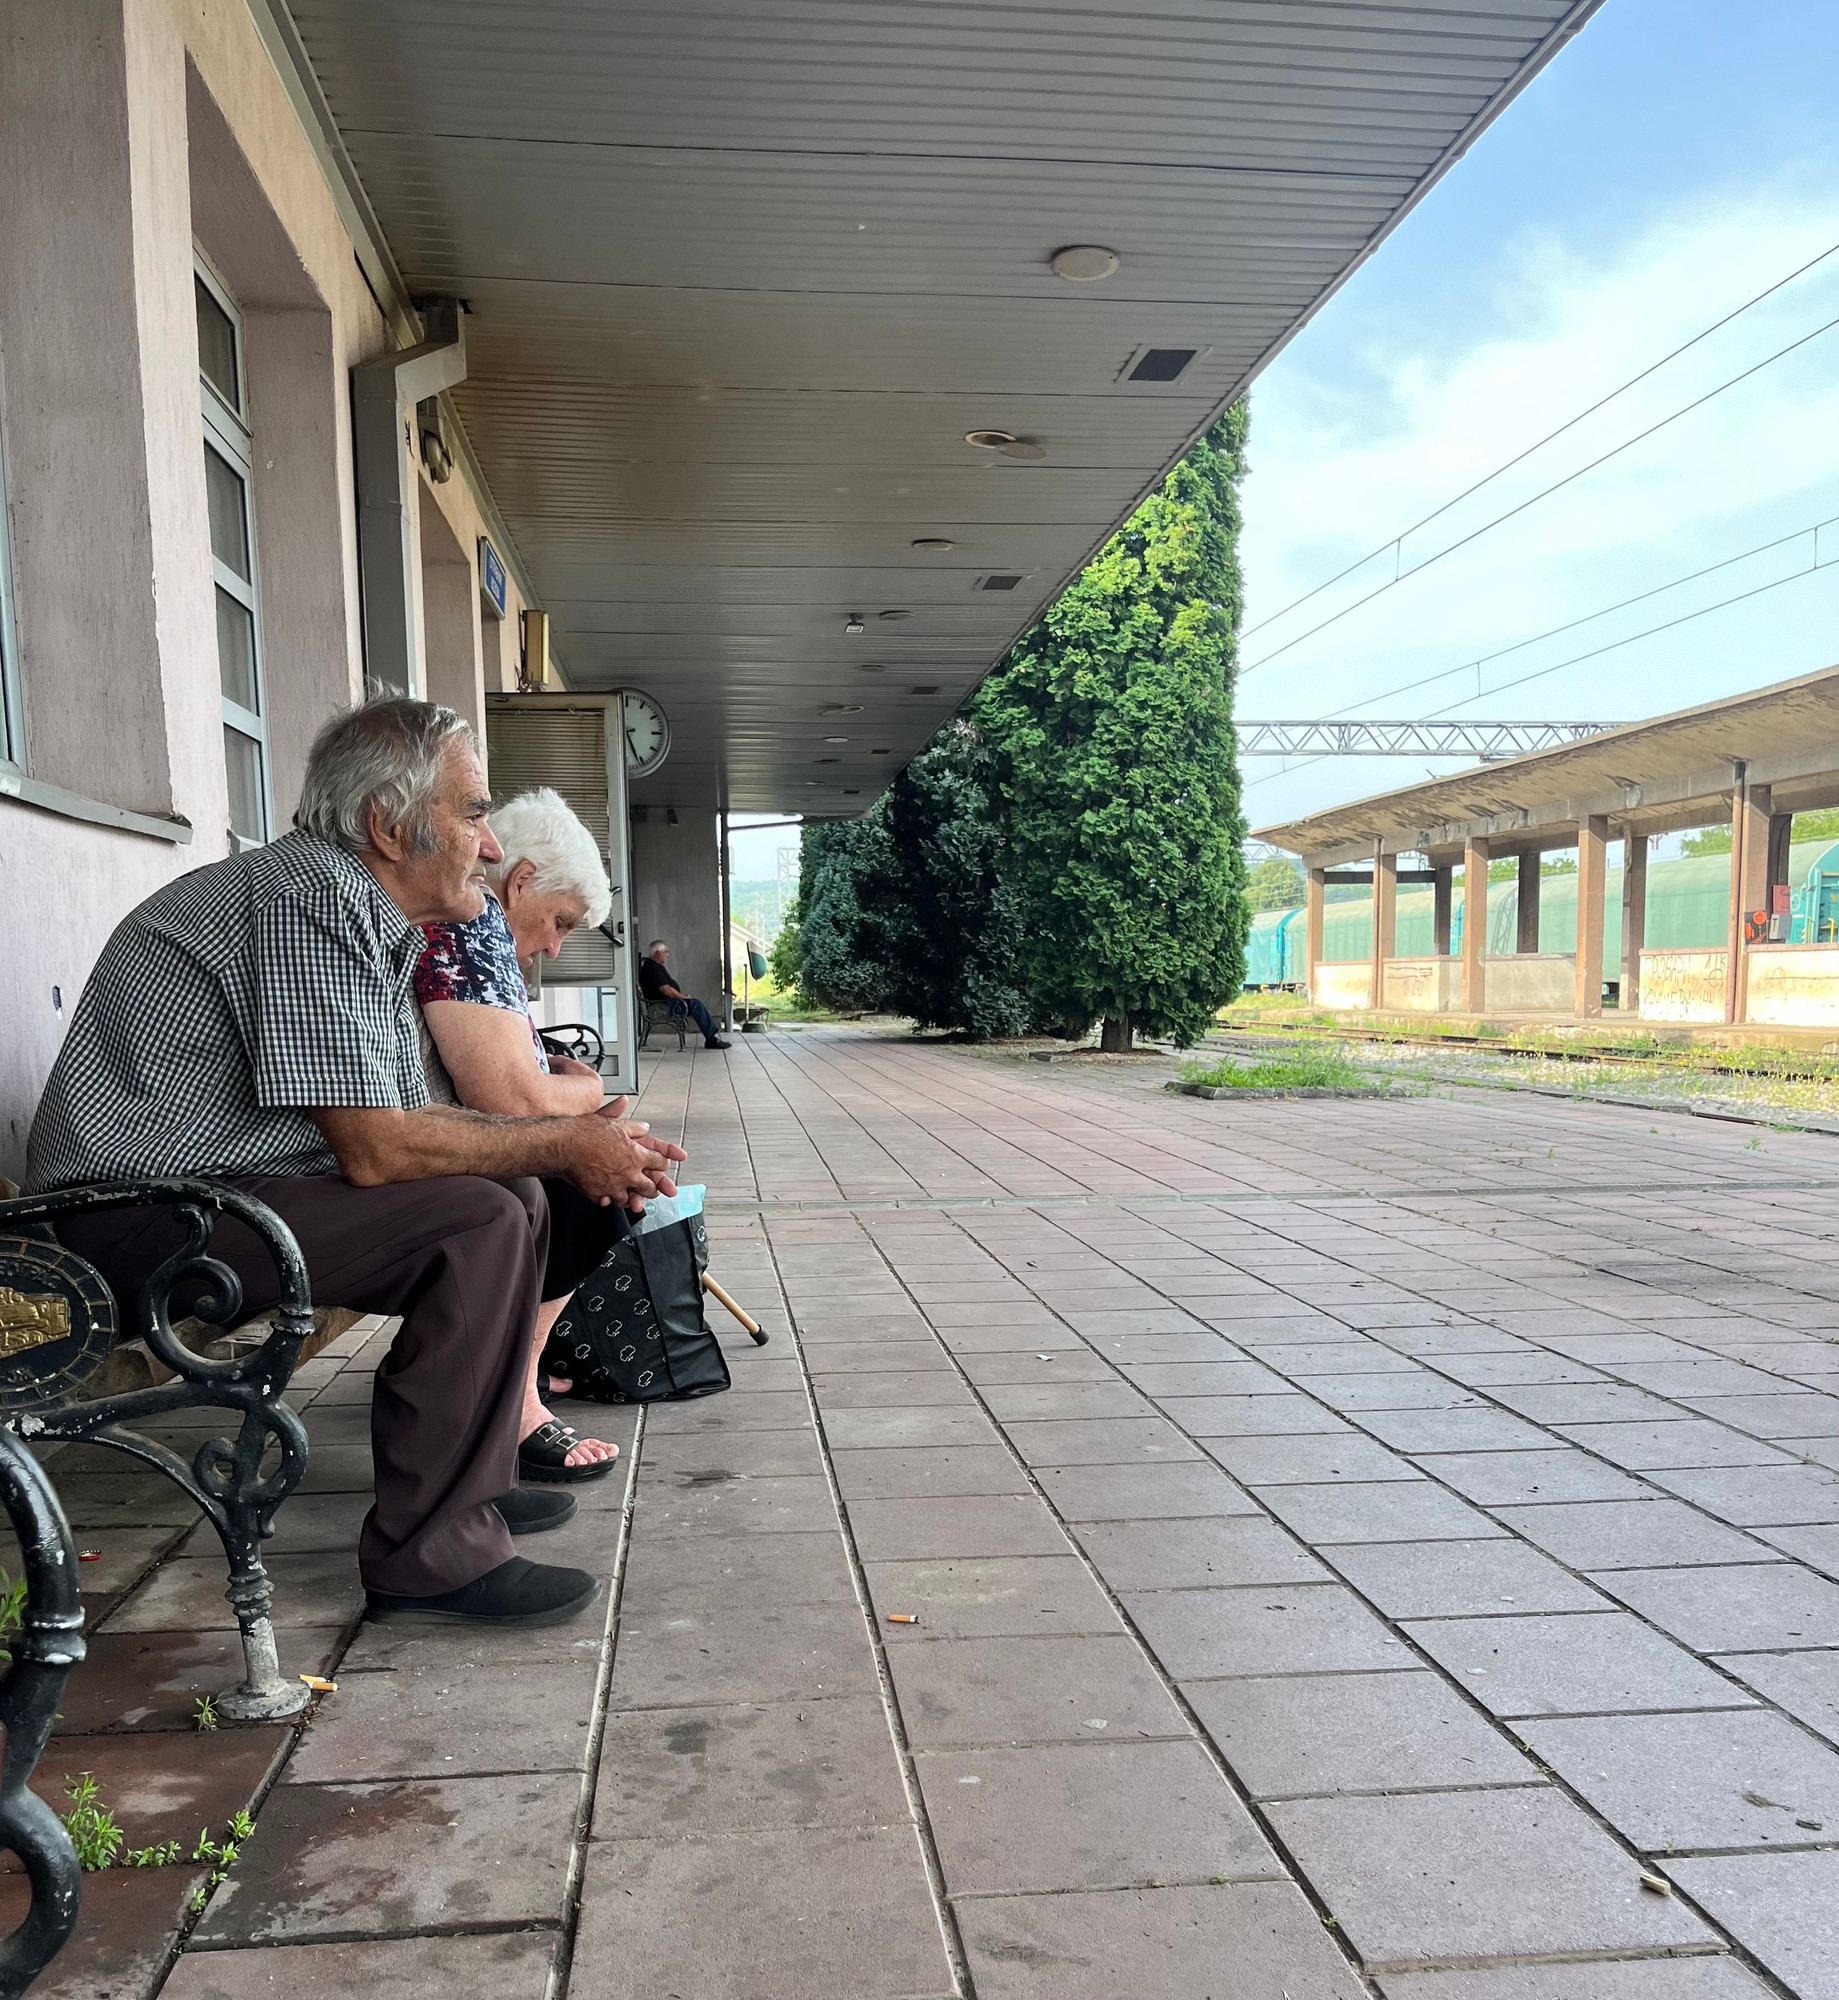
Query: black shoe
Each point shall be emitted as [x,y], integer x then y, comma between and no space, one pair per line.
[716,1042]
[515,1593]
[527,1513]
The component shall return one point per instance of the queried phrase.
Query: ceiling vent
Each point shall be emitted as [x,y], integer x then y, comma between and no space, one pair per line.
[1159,364]
[1000,582]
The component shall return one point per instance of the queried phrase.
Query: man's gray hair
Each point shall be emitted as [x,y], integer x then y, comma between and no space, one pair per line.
[657,945]
[384,756]
[539,826]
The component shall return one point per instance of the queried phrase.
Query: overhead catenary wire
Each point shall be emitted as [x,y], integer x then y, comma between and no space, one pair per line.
[1570,423]
[1544,493]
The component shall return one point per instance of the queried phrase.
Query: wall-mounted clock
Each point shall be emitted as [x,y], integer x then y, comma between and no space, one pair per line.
[647,734]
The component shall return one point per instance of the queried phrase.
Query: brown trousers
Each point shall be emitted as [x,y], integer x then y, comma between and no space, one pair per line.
[461,1260]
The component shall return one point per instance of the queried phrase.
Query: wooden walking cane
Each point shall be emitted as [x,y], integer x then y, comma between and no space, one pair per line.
[721,1298]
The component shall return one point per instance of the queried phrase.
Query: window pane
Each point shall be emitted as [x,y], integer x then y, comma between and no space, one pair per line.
[223,485]
[216,346]
[236,652]
[243,759]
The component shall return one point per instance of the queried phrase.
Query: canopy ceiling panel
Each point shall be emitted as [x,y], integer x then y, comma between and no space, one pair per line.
[740,278]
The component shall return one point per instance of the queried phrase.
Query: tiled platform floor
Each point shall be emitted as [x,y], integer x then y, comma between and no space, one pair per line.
[1350,1543]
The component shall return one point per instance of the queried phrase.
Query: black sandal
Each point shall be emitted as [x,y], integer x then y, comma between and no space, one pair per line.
[544,1455]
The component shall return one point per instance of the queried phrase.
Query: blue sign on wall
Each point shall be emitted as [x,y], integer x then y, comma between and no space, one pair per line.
[491,577]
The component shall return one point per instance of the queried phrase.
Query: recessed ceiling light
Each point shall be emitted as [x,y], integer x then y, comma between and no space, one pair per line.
[934,544]
[841,708]
[852,791]
[1083,263]
[871,667]
[989,440]
[836,739]
[881,753]
[1000,582]
[1022,448]
[853,626]
[893,617]
[830,760]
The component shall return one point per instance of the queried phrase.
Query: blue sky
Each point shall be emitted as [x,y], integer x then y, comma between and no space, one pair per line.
[1676,159]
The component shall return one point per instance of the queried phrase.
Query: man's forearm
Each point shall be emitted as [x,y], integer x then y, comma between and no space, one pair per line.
[375,1148]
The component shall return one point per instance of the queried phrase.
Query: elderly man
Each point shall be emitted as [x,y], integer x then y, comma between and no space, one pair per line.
[252,1023]
[657,986]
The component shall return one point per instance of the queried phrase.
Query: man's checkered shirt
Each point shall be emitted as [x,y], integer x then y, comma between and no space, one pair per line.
[222,1010]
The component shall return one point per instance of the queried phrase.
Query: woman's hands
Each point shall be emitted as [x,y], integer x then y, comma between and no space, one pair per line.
[617,1160]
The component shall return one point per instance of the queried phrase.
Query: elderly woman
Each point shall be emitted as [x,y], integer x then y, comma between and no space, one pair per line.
[486,1055]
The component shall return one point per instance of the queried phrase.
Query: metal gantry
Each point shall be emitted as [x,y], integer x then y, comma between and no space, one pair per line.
[1486,740]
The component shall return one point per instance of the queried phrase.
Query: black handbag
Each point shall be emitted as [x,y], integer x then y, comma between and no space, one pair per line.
[634,1330]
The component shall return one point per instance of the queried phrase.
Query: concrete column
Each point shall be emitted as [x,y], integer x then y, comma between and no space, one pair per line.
[1634,919]
[1749,869]
[1592,854]
[1474,926]
[1385,917]
[1527,938]
[1442,894]
[677,895]
[1313,916]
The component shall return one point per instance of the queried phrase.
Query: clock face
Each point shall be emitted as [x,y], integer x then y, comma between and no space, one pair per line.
[647,735]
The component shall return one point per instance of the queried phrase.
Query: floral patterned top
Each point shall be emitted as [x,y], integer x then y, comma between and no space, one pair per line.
[476,961]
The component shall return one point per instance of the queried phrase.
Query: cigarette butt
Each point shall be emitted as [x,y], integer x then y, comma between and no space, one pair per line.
[1658,1884]
[320,1685]
[903,1618]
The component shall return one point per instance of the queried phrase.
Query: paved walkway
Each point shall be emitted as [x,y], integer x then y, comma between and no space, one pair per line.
[1350,1544]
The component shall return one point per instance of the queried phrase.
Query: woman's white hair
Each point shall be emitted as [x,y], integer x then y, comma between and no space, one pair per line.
[538,826]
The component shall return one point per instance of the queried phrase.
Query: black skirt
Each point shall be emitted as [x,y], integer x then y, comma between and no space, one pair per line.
[581,1233]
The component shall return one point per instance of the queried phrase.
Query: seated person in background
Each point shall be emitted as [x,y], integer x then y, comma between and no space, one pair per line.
[254,1023]
[548,880]
[655,984]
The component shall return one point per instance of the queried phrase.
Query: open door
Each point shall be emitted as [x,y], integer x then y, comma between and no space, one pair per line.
[573,743]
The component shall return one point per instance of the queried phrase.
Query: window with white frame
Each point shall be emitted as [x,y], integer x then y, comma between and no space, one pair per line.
[239,633]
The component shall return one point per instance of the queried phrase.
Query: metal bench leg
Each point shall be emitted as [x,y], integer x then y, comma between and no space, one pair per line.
[246,1506]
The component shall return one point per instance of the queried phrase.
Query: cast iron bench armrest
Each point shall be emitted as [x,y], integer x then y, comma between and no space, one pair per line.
[225,1477]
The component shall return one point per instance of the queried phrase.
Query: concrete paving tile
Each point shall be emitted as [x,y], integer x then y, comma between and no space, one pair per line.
[124,1930]
[1287,1629]
[308,1524]
[1168,1942]
[1336,1357]
[186,1594]
[1784,1908]
[1423,1391]
[1802,1683]
[1170,1349]
[764,1410]
[1417,1431]
[916,1388]
[974,1525]
[1498,1479]
[1011,1332]
[1417,1877]
[807,1914]
[1479,1579]
[448,1721]
[1144,1492]
[1115,1398]
[1813,1450]
[1270,1462]
[1631,1534]
[742,1767]
[1595,1402]
[344,1860]
[1394,1511]
[1305,1734]
[1688,1443]
[1698,1978]
[1472,1338]
[896,1472]
[1750,1779]
[1799,1414]
[1817,1547]
[1748,1606]
[881,1430]
[663,1577]
[510,1966]
[104,1501]
[1772,1496]
[1163,1379]
[1176,1555]
[152,1680]
[342,1468]
[1100,1441]
[1253,1416]
[1702,1376]
[1522,1366]
[721,1502]
[1050,1364]
[1581,1664]
[962,1692]
[710,1654]
[855,1357]
[755,1454]
[1086,1816]
[969,1597]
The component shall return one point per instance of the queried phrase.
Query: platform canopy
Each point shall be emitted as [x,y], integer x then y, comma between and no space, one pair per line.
[742,277]
[1651,777]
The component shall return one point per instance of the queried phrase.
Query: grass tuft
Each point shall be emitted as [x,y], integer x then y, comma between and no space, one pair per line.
[1306,1069]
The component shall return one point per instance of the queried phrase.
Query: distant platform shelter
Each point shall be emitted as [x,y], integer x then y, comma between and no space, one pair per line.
[1750,763]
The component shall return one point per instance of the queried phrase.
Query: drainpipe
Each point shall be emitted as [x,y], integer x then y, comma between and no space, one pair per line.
[381,392]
